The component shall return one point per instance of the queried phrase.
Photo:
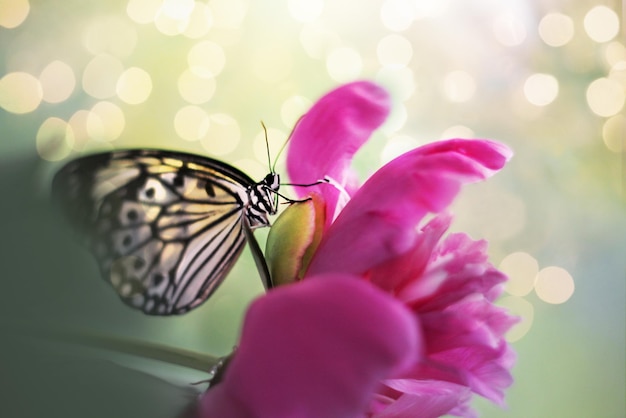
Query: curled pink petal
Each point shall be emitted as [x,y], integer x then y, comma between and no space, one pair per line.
[378,224]
[318,348]
[330,133]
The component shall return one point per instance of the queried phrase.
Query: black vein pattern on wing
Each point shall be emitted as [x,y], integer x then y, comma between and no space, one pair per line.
[165,227]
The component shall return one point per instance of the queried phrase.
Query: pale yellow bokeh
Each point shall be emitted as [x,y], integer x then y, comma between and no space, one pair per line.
[20,92]
[172,19]
[223,134]
[13,12]
[554,285]
[556,29]
[54,139]
[143,11]
[200,21]
[194,88]
[601,24]
[522,269]
[615,53]
[105,122]
[78,124]
[100,76]
[605,97]
[541,89]
[191,123]
[614,133]
[134,86]
[206,59]
[57,82]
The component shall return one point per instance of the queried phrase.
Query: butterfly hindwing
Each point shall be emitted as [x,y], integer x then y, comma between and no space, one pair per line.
[165,227]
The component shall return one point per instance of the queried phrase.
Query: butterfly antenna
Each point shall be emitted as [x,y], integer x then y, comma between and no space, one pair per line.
[267,147]
[282,148]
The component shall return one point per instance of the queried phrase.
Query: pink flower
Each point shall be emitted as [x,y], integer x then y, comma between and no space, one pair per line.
[392,318]
[391,233]
[316,349]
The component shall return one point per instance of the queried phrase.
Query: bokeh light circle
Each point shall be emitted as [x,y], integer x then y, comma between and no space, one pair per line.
[223,134]
[605,97]
[554,285]
[100,76]
[206,59]
[541,89]
[522,269]
[54,139]
[105,121]
[556,29]
[191,123]
[134,86]
[194,88]
[614,133]
[143,11]
[13,12]
[57,82]
[20,92]
[601,24]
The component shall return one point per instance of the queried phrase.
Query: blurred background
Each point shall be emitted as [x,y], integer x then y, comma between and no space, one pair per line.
[548,78]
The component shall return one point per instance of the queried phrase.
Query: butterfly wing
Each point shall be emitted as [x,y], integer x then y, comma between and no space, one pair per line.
[165,227]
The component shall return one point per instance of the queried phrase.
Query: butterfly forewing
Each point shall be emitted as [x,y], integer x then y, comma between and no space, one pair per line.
[165,227]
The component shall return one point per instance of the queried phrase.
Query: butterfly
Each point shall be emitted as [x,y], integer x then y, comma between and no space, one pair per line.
[165,227]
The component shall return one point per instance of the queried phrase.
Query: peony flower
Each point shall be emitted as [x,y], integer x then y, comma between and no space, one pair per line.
[390,232]
[378,312]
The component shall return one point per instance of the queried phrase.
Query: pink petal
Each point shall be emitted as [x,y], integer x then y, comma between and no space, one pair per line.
[318,348]
[330,133]
[426,399]
[458,268]
[378,224]
[397,272]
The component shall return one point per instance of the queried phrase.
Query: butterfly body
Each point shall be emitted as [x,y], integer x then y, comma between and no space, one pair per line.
[165,227]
